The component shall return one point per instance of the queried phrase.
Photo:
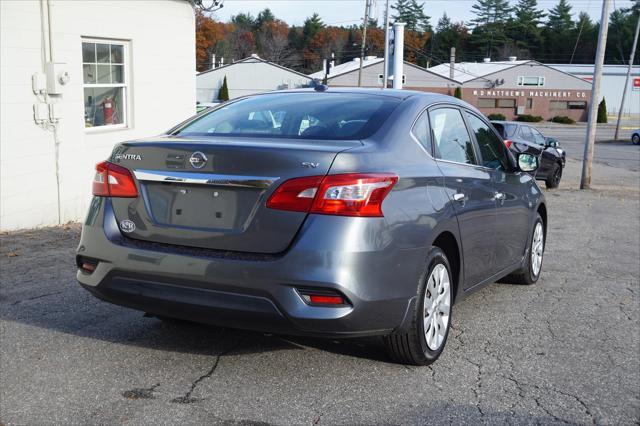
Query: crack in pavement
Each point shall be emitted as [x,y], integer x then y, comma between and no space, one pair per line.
[141,393]
[186,398]
[36,297]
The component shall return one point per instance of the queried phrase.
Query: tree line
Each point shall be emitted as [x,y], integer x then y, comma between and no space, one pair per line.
[497,31]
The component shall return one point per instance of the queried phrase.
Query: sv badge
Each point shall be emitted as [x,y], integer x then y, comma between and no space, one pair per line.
[309,164]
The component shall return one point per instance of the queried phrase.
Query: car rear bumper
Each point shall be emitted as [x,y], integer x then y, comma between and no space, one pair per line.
[260,292]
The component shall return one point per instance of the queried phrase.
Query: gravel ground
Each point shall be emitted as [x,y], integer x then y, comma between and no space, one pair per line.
[565,350]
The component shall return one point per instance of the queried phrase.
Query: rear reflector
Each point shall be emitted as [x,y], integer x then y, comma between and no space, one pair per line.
[112,180]
[86,264]
[508,143]
[322,297]
[350,194]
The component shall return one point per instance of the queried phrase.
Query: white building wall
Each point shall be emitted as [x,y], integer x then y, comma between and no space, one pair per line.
[415,77]
[160,66]
[246,78]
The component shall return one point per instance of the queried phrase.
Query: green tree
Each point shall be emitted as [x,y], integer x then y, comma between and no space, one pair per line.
[223,93]
[312,26]
[458,93]
[411,13]
[622,24]
[602,112]
[265,16]
[584,40]
[525,29]
[558,33]
[490,24]
[448,35]
[244,21]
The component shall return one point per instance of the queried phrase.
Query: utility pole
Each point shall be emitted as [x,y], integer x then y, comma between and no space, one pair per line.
[364,39]
[585,180]
[385,70]
[626,82]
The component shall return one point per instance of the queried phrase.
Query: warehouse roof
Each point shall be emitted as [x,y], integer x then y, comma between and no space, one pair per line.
[467,71]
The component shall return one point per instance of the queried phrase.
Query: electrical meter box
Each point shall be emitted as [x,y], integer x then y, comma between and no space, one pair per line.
[57,77]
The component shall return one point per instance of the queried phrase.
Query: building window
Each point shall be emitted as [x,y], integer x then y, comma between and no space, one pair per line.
[529,103]
[577,105]
[381,78]
[530,81]
[558,105]
[506,103]
[486,103]
[105,83]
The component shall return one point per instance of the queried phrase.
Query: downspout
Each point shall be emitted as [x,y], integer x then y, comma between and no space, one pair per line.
[46,7]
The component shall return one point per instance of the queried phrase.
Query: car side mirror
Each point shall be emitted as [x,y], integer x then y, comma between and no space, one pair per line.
[527,162]
[551,142]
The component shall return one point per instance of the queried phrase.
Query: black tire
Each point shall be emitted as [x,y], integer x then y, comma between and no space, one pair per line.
[526,275]
[635,139]
[553,181]
[411,347]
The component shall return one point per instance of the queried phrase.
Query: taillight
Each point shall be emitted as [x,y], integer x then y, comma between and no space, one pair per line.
[350,194]
[508,143]
[112,180]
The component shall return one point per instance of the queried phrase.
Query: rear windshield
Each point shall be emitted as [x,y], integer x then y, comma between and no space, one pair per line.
[321,116]
[506,130]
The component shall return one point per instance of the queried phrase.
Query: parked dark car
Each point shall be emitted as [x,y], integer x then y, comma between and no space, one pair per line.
[355,213]
[523,138]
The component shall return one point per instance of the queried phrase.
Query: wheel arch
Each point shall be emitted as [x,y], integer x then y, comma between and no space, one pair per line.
[542,211]
[448,243]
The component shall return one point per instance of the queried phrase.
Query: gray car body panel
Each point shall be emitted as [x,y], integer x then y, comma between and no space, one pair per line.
[377,263]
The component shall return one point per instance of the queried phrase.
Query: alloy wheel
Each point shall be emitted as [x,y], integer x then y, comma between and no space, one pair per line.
[437,306]
[537,249]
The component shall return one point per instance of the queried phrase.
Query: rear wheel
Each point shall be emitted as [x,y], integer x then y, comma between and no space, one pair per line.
[635,139]
[431,316]
[530,272]
[553,181]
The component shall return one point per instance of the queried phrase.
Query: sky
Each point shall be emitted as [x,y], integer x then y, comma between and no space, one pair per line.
[349,12]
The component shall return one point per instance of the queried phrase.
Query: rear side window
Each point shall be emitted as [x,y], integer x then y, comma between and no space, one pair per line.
[321,116]
[451,139]
[421,131]
[492,149]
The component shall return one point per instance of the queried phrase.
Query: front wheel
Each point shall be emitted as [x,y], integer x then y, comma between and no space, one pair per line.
[553,181]
[431,316]
[635,139]
[530,272]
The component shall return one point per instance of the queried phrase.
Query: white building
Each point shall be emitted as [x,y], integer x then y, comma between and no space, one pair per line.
[123,70]
[413,78]
[246,77]
[613,79]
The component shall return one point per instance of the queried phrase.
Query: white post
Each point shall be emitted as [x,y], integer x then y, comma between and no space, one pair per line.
[398,54]
[385,70]
[585,180]
[452,62]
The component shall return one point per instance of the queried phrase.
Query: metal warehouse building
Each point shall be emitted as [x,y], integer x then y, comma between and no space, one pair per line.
[613,80]
[517,87]
[246,77]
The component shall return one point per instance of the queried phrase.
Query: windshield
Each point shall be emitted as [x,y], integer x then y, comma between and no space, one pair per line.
[321,116]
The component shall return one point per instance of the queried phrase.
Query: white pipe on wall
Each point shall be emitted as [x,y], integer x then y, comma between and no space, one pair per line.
[398,54]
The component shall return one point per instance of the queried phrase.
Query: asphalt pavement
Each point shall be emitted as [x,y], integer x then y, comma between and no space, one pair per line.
[566,350]
[606,150]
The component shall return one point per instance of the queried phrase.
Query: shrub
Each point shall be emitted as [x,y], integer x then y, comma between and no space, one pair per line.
[458,93]
[563,119]
[602,112]
[498,117]
[529,118]
[223,94]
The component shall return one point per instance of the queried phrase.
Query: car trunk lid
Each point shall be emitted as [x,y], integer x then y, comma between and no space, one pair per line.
[212,193]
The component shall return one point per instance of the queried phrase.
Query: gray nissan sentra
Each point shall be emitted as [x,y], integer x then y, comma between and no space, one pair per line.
[327,212]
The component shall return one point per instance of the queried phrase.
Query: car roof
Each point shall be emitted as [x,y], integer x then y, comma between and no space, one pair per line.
[393,93]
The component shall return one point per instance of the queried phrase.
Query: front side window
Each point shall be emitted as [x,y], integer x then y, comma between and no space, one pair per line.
[492,149]
[104,82]
[451,139]
[322,116]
